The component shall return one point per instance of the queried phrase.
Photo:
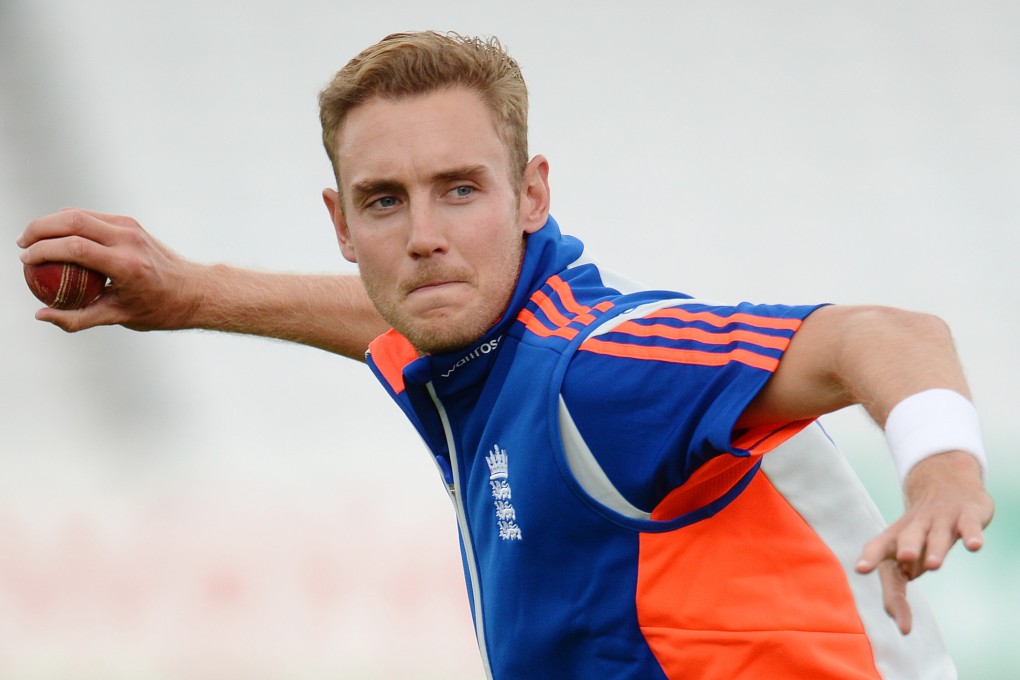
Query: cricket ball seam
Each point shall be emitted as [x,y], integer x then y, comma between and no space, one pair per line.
[71,290]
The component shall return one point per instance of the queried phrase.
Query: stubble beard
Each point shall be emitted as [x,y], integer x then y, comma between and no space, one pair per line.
[451,332]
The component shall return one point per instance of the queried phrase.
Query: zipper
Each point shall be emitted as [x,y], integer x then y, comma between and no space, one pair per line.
[465,535]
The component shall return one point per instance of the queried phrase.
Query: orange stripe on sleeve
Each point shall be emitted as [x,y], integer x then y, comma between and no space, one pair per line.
[680,356]
[703,336]
[717,320]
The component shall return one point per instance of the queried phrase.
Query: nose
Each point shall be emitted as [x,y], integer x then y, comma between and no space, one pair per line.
[427,236]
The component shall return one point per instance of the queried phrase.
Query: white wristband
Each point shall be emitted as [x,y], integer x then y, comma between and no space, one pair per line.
[931,422]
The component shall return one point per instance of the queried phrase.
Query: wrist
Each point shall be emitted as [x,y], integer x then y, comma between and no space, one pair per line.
[932,422]
[195,302]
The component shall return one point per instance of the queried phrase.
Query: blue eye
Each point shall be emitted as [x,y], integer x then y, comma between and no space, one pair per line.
[385,202]
[463,191]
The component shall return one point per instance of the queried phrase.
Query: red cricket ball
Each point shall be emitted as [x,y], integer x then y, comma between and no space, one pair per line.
[64,285]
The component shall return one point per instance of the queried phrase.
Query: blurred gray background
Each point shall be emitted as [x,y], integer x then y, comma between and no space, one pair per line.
[199,505]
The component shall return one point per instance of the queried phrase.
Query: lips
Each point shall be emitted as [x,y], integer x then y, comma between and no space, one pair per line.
[441,293]
[428,281]
[435,284]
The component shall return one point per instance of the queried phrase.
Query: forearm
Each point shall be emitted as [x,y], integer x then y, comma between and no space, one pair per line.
[331,312]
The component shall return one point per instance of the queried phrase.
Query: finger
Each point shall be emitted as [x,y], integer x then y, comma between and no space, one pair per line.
[971,532]
[119,220]
[894,596]
[63,249]
[82,250]
[940,540]
[54,225]
[911,545]
[67,223]
[875,551]
[99,313]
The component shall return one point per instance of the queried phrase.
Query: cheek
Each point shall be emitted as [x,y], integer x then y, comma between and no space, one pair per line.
[372,271]
[504,261]
[371,268]
[379,291]
[373,256]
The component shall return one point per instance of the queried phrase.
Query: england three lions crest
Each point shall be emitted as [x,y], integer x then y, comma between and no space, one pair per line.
[499,482]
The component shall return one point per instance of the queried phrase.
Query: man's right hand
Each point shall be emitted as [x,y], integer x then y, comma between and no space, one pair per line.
[151,287]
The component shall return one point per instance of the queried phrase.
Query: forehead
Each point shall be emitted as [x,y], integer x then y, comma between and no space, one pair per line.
[393,138]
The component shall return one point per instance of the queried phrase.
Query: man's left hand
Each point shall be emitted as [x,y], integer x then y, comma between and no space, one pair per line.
[945,501]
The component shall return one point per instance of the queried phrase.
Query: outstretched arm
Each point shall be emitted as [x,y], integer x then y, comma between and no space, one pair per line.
[153,288]
[878,357]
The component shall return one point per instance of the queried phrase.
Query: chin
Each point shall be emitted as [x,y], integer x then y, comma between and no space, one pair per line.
[447,336]
[431,344]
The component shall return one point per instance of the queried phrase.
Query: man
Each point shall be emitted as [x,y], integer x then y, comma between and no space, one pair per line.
[639,487]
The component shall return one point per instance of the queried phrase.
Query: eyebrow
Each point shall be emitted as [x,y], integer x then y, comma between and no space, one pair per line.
[361,190]
[464,172]
[368,187]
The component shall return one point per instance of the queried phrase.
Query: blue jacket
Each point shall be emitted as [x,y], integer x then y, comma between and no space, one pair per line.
[613,522]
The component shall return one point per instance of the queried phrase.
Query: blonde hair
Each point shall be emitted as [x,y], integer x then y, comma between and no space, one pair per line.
[406,64]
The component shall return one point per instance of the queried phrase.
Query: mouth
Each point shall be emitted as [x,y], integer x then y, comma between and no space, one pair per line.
[432,283]
[433,288]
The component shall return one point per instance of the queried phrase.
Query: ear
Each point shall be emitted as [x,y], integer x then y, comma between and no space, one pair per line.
[534,199]
[333,200]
